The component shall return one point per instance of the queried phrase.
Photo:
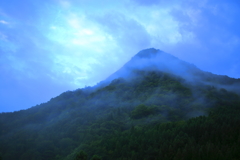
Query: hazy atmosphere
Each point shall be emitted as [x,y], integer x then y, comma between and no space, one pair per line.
[48,47]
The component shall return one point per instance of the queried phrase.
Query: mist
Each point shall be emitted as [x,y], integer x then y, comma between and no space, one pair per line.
[153,87]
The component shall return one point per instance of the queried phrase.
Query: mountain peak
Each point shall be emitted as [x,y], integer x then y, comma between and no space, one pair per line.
[148,53]
[154,59]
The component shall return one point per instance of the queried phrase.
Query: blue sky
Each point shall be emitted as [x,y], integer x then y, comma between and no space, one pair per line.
[51,46]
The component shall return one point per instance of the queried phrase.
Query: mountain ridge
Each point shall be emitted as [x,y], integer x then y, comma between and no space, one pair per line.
[154,87]
[155,59]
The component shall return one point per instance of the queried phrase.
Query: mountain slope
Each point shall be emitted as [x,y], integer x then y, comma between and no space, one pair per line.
[153,88]
[157,60]
[153,59]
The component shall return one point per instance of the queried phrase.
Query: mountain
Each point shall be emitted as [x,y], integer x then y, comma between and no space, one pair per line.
[156,60]
[155,107]
[153,59]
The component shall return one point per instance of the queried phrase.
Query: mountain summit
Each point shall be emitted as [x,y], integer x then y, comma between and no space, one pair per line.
[148,53]
[155,60]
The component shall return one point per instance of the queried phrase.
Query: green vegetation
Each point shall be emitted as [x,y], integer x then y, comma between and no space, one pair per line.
[142,111]
[81,156]
[206,138]
[96,157]
[152,115]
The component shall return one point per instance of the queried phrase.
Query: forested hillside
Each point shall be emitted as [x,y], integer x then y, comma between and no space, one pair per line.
[155,107]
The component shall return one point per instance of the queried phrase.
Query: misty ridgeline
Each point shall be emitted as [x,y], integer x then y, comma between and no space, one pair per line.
[156,107]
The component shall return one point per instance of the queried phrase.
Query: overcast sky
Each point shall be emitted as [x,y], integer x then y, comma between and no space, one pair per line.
[51,46]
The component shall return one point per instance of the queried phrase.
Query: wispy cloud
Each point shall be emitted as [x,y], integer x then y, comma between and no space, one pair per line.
[3,22]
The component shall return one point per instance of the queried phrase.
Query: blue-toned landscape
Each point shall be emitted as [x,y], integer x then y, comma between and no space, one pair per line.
[155,107]
[119,80]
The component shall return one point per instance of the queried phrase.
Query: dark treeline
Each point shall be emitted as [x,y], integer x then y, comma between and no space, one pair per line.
[215,137]
[151,114]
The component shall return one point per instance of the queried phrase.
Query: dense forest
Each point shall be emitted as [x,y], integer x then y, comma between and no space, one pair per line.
[155,107]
